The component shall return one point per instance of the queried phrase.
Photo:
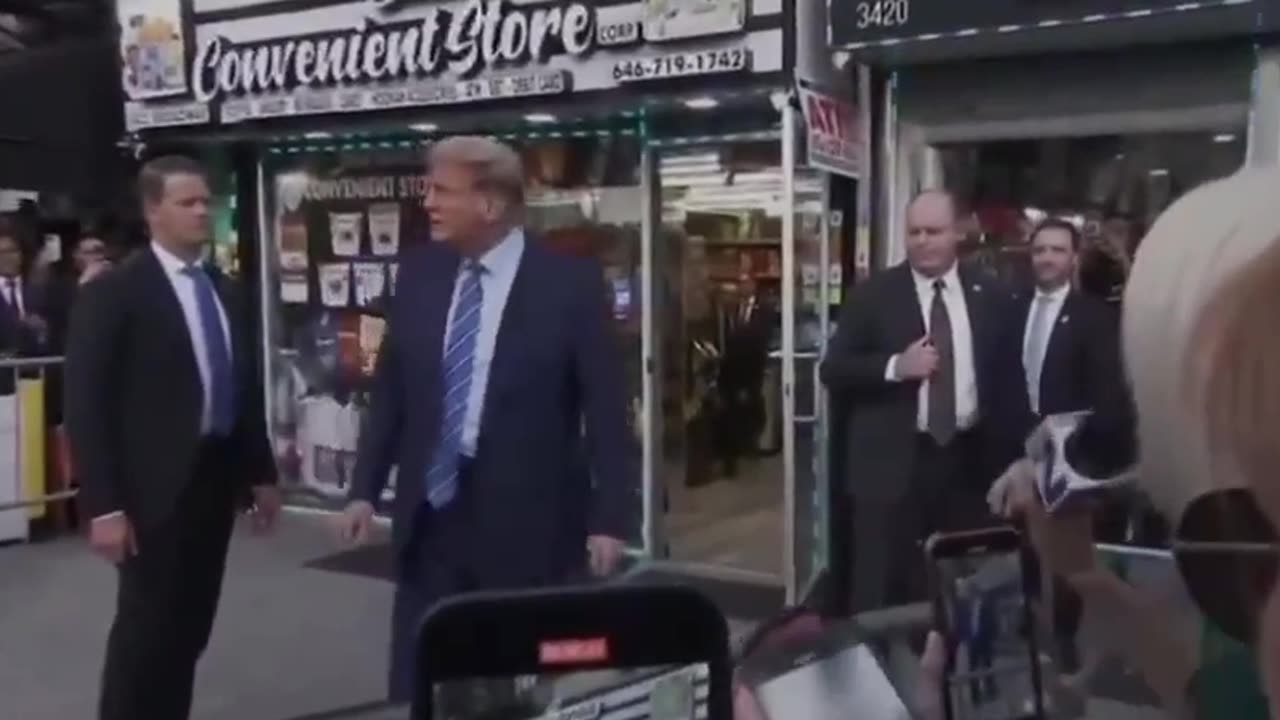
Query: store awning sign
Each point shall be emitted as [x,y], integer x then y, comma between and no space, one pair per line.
[369,55]
[868,23]
[834,140]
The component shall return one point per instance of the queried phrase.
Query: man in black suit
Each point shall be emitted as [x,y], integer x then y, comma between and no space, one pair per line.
[168,435]
[24,329]
[1060,354]
[499,397]
[911,353]
[748,327]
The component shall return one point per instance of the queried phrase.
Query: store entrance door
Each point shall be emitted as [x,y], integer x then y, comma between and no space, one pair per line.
[810,285]
[742,296]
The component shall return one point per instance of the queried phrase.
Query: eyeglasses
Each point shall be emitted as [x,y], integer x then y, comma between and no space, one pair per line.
[1228,553]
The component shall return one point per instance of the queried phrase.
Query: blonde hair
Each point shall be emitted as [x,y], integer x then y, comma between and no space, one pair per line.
[496,167]
[1201,345]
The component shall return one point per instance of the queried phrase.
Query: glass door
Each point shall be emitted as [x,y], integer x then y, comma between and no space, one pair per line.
[717,269]
[810,286]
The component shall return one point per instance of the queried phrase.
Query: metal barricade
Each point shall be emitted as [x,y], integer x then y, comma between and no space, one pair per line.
[29,389]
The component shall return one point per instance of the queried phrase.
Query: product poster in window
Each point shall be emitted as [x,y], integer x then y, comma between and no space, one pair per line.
[678,19]
[152,48]
[339,223]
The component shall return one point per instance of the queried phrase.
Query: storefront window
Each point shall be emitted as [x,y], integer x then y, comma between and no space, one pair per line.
[223,214]
[1113,187]
[337,219]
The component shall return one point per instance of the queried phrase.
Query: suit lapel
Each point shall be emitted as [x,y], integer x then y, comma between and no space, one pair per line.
[911,321]
[512,332]
[168,309]
[1059,333]
[975,301]
[441,270]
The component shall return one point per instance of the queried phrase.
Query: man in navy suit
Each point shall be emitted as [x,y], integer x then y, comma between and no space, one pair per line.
[1060,354]
[499,397]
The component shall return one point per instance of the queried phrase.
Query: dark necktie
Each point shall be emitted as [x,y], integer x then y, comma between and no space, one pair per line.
[15,297]
[459,359]
[217,353]
[942,386]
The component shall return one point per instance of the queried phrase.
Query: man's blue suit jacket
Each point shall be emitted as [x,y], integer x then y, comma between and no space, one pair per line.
[555,459]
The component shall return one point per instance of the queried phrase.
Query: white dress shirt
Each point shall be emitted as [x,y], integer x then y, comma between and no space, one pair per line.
[13,295]
[185,289]
[1054,300]
[966,375]
[500,264]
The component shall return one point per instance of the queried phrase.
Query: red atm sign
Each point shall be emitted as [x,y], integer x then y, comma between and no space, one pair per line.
[834,136]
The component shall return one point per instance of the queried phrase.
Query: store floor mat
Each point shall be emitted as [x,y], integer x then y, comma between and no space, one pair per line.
[373,561]
[740,600]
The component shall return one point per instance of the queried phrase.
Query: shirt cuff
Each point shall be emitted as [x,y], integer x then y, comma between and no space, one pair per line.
[891,369]
[108,516]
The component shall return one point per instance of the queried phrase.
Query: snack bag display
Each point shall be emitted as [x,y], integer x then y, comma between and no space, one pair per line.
[344,233]
[384,228]
[335,284]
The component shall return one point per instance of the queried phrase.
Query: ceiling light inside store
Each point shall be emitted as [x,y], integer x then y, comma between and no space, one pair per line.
[317,135]
[701,103]
[424,127]
[540,118]
[690,159]
[1158,172]
[1224,138]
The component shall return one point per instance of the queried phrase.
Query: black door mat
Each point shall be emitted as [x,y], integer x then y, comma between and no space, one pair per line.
[737,600]
[371,561]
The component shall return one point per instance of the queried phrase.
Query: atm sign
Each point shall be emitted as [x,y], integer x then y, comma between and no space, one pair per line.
[834,140]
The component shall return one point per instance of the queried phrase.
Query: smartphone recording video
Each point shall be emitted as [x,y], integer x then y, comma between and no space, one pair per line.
[980,596]
[602,653]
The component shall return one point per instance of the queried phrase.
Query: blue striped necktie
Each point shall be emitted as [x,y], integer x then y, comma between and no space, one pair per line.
[217,354]
[459,357]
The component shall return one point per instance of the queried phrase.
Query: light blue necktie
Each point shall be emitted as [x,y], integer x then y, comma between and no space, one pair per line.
[218,356]
[1033,356]
[459,358]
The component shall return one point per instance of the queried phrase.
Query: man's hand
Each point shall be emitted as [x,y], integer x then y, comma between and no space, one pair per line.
[93,270]
[355,522]
[266,508]
[604,553]
[35,323]
[918,361]
[112,538]
[930,693]
[1064,540]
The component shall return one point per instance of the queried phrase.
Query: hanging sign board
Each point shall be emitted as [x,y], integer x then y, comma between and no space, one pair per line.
[833,140]
[860,23]
[184,66]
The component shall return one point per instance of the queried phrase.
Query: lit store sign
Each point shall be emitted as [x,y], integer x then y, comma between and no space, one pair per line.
[369,55]
[861,23]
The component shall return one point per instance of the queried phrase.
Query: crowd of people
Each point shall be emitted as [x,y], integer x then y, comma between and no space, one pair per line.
[1201,357]
[39,276]
[947,371]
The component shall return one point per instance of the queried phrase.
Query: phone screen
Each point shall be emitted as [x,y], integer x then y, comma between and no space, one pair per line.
[670,692]
[983,603]
[848,684]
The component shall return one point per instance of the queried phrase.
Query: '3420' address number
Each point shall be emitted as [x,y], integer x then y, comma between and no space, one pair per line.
[682,64]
